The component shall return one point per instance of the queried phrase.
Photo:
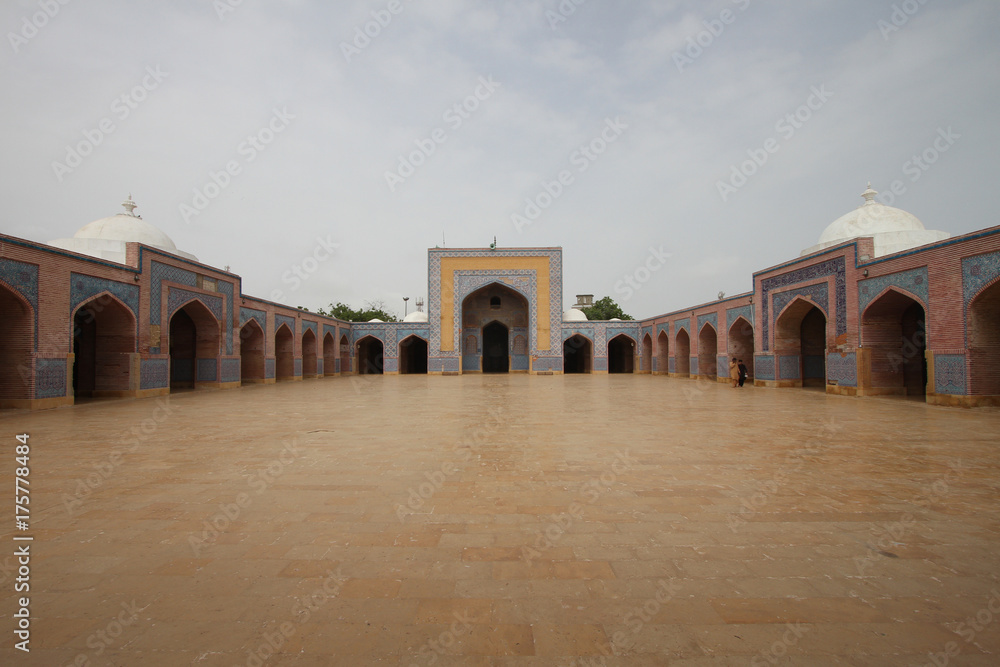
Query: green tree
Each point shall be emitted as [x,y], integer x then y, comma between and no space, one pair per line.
[372,310]
[605,309]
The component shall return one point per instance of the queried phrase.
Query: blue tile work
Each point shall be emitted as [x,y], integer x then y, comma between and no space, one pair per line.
[181,297]
[682,324]
[383,332]
[524,282]
[390,364]
[226,289]
[600,364]
[153,373]
[663,326]
[82,288]
[247,314]
[913,281]
[208,370]
[310,326]
[297,368]
[320,363]
[23,279]
[733,314]
[336,365]
[763,366]
[656,364]
[978,271]
[330,329]
[710,318]
[842,368]
[157,274]
[230,370]
[694,365]
[269,369]
[50,378]
[442,361]
[284,319]
[788,367]
[819,294]
[670,365]
[569,331]
[546,364]
[836,267]
[814,366]
[722,365]
[949,374]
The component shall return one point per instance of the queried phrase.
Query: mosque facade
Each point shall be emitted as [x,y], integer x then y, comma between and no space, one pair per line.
[879,306]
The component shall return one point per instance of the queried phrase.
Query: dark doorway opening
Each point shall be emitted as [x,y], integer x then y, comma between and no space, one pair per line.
[577,355]
[496,348]
[413,356]
[370,356]
[621,355]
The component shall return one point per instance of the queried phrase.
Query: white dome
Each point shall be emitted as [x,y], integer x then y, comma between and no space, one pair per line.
[614,319]
[574,315]
[106,238]
[892,229]
[416,316]
[375,319]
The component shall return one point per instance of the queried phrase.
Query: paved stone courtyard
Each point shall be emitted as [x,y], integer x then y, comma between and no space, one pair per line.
[508,520]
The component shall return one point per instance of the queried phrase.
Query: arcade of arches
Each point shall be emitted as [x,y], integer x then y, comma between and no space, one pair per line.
[194,337]
[104,339]
[893,333]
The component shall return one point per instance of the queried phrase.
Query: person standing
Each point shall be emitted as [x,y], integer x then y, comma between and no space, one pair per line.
[744,371]
[734,372]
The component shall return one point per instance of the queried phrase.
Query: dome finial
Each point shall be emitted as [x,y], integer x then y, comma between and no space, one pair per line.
[869,195]
[130,206]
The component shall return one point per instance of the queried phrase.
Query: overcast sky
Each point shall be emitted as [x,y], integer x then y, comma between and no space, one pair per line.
[667,97]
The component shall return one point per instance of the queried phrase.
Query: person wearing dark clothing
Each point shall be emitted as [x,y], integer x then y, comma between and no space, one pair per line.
[744,372]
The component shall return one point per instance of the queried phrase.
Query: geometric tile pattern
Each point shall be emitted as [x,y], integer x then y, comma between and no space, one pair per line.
[788,367]
[949,374]
[269,369]
[682,324]
[310,326]
[207,370]
[818,294]
[84,287]
[297,368]
[842,368]
[913,281]
[159,272]
[694,365]
[524,282]
[732,314]
[230,370]
[153,373]
[833,267]
[179,297]
[247,314]
[226,289]
[977,272]
[763,366]
[50,378]
[287,321]
[710,318]
[23,279]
